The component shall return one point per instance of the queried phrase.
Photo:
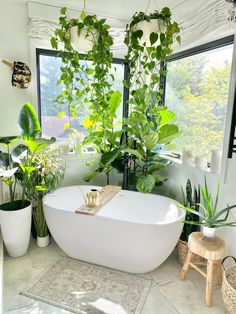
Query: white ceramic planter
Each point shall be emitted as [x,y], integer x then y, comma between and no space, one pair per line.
[43,241]
[187,158]
[216,156]
[209,232]
[148,27]
[85,41]
[200,162]
[16,225]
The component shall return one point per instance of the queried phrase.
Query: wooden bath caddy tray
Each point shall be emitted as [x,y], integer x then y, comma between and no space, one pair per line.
[107,194]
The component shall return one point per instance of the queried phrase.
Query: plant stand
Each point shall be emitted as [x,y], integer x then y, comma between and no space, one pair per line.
[213,251]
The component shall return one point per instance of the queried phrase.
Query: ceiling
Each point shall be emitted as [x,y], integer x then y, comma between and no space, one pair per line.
[200,20]
[122,9]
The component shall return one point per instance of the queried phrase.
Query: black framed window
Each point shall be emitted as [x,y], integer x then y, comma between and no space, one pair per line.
[48,72]
[196,89]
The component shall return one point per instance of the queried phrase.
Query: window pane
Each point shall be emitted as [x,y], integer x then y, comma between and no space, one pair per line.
[49,74]
[197,91]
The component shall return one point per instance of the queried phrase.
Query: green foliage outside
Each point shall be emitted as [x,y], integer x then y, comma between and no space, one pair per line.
[197,91]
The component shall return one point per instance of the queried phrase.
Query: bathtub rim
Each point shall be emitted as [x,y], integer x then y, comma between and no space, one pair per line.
[180,217]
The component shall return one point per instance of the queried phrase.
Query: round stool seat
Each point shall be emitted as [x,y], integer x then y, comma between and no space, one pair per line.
[210,249]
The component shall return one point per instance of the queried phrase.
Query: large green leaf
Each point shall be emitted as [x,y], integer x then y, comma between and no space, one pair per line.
[165,116]
[89,176]
[8,140]
[115,101]
[145,183]
[108,157]
[28,122]
[151,140]
[39,144]
[168,132]
[19,151]
[5,159]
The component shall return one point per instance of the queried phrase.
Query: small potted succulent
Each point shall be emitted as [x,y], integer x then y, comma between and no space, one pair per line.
[210,217]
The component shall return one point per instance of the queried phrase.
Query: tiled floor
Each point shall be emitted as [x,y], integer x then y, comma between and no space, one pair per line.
[168,295]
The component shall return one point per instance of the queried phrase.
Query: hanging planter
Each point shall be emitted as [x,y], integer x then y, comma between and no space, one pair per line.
[152,30]
[82,40]
[148,27]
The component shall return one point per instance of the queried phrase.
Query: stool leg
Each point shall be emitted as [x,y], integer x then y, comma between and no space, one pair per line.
[219,272]
[209,282]
[185,268]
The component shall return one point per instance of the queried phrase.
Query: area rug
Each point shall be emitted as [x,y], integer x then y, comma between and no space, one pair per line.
[83,288]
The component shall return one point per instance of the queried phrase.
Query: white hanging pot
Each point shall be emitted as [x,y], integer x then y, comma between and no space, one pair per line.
[84,41]
[209,232]
[16,226]
[216,156]
[43,241]
[148,27]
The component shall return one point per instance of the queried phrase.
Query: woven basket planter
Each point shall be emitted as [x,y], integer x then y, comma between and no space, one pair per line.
[182,247]
[229,287]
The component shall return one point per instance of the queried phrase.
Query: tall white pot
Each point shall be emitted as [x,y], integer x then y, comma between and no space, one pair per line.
[16,226]
[216,156]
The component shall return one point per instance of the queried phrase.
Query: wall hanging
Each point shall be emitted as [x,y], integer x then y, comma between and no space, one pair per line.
[21,74]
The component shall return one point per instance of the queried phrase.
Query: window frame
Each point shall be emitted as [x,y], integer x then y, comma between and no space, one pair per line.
[222,42]
[54,53]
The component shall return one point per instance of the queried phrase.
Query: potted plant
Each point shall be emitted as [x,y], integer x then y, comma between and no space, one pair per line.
[47,175]
[152,26]
[190,198]
[46,169]
[15,214]
[210,217]
[149,126]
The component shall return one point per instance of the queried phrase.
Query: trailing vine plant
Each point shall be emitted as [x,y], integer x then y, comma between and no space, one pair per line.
[88,83]
[150,125]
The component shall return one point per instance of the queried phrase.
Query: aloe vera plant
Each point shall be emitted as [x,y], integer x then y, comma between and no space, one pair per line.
[210,216]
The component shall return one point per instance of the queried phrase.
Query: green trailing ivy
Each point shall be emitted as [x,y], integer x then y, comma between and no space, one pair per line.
[150,125]
[89,83]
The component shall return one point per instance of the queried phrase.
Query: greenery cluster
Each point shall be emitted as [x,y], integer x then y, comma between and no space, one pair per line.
[29,165]
[209,215]
[88,82]
[190,198]
[149,125]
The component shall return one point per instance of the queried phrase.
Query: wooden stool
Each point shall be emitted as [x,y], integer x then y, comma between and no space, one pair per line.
[213,251]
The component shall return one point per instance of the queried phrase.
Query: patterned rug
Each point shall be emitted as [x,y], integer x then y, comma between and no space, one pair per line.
[86,288]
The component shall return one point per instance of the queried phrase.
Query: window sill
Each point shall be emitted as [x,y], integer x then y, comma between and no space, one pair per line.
[179,164]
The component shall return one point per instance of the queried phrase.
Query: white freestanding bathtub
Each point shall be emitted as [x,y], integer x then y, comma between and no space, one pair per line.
[134,232]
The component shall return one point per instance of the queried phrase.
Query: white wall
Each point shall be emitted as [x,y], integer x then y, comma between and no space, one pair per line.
[15,47]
